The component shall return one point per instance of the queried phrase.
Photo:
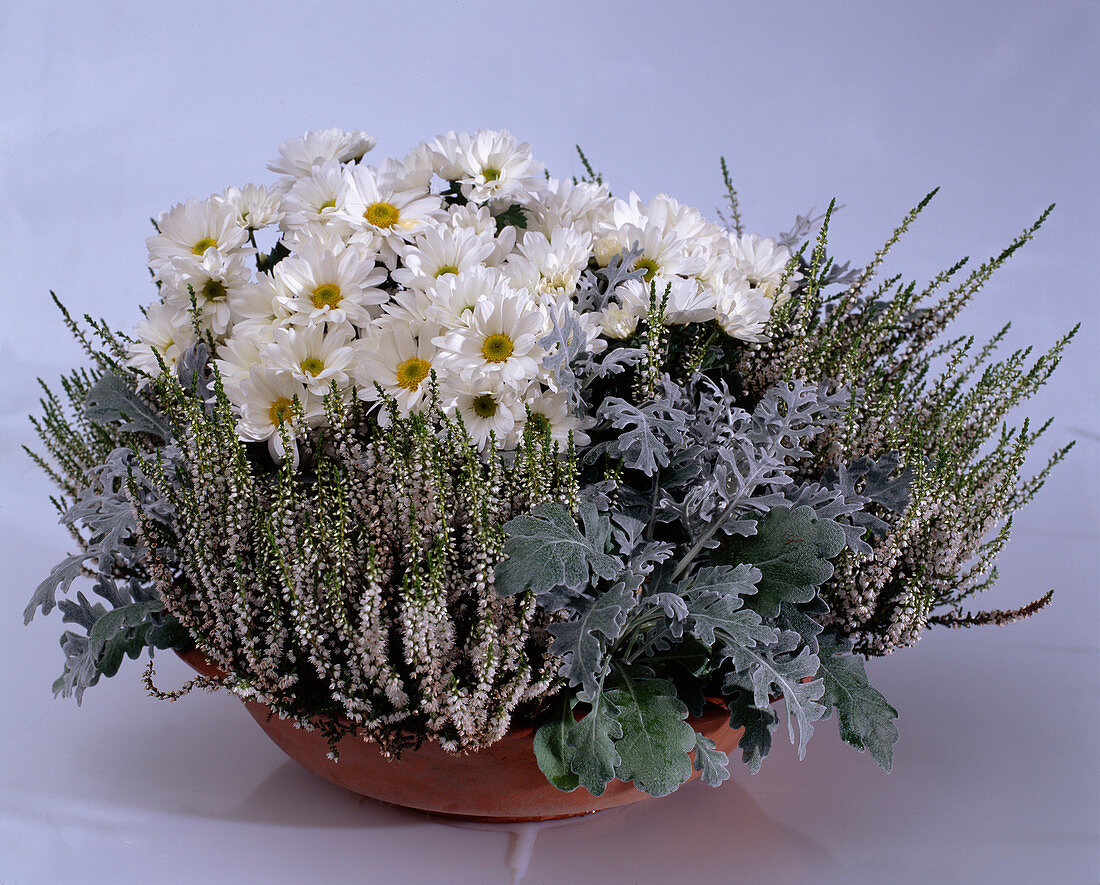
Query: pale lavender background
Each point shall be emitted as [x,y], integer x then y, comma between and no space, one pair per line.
[111,113]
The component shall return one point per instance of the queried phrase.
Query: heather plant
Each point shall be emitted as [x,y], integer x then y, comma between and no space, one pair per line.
[464,446]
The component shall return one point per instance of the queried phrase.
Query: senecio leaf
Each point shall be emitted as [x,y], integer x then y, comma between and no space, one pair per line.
[864,716]
[545,550]
[650,432]
[552,751]
[711,762]
[581,641]
[113,400]
[792,549]
[592,741]
[656,739]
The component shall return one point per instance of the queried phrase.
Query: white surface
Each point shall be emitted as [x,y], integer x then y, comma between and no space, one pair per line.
[111,113]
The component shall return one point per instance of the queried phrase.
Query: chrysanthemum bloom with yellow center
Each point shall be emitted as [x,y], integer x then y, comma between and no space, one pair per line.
[313,204]
[312,356]
[501,340]
[385,208]
[392,358]
[488,165]
[188,230]
[206,283]
[273,404]
[331,284]
[490,411]
[439,252]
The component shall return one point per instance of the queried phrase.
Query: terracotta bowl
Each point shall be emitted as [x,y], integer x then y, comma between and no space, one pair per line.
[499,783]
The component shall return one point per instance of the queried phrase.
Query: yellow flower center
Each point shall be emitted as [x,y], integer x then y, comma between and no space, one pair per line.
[202,245]
[412,371]
[328,204]
[497,348]
[212,290]
[484,406]
[281,410]
[326,295]
[384,215]
[490,174]
[445,269]
[649,265]
[313,366]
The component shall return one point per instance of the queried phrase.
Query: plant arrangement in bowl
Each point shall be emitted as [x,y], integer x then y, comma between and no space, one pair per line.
[448,467]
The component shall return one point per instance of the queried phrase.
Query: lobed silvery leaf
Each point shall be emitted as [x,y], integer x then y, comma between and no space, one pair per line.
[792,549]
[563,344]
[552,750]
[649,432]
[865,718]
[711,762]
[113,401]
[655,741]
[773,670]
[592,741]
[545,550]
[759,724]
[582,640]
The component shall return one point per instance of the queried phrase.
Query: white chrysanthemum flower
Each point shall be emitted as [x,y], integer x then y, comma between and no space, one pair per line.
[238,354]
[582,206]
[328,286]
[254,206]
[619,321]
[215,279]
[313,356]
[550,265]
[298,156]
[488,165]
[761,262]
[743,311]
[489,410]
[551,411]
[312,204]
[480,220]
[392,357]
[269,403]
[666,213]
[260,307]
[440,251]
[188,229]
[688,300]
[664,252]
[164,331]
[451,298]
[501,340]
[384,210]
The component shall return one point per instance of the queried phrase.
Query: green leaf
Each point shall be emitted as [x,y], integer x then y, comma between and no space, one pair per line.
[553,753]
[863,714]
[265,262]
[759,725]
[773,671]
[580,642]
[650,432]
[792,549]
[592,741]
[120,633]
[545,551]
[112,401]
[655,738]
[513,216]
[712,762]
